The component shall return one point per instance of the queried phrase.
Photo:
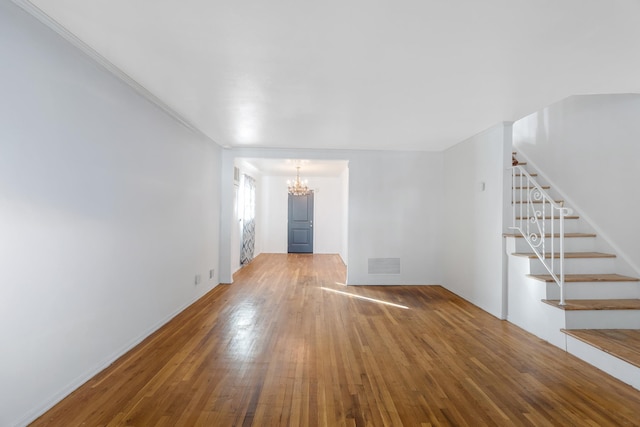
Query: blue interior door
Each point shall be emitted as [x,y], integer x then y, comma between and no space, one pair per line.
[301,224]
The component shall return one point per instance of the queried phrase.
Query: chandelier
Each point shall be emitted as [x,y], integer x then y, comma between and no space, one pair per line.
[298,187]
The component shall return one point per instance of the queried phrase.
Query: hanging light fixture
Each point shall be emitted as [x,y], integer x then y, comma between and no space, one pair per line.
[298,187]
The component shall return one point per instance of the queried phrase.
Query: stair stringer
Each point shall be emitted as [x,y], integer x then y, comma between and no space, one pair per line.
[604,361]
[526,308]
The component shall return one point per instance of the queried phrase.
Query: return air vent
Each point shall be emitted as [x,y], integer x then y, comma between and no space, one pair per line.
[384,266]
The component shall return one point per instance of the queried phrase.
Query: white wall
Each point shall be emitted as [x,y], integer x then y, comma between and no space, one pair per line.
[344,244]
[329,206]
[273,206]
[108,210]
[394,212]
[328,216]
[394,200]
[587,147]
[474,259]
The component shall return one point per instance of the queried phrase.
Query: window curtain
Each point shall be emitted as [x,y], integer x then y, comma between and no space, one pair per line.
[248,220]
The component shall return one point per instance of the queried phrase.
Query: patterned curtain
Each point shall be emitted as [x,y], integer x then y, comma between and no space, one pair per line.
[248,220]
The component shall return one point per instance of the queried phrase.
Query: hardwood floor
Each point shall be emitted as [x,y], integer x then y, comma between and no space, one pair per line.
[287,345]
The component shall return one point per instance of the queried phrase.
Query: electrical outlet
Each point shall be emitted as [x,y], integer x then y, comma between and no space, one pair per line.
[197,281]
[211,273]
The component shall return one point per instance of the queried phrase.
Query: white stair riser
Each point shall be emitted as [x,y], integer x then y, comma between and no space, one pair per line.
[570,226]
[602,319]
[577,266]
[523,196]
[527,209]
[595,290]
[575,244]
[521,182]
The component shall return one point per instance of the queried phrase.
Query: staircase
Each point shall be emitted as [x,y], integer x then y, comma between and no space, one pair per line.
[599,321]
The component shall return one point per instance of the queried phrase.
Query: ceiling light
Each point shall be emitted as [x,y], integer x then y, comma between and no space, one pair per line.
[298,187]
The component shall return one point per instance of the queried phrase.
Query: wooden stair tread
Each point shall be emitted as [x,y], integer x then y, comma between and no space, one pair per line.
[531,174]
[535,201]
[621,343]
[548,235]
[569,278]
[567,255]
[596,304]
[519,218]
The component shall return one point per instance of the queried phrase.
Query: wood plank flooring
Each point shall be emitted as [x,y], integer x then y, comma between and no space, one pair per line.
[287,345]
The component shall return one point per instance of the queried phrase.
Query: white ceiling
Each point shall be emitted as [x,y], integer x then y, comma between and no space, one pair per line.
[360,74]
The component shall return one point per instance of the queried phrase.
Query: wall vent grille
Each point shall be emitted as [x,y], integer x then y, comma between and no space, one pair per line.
[384,266]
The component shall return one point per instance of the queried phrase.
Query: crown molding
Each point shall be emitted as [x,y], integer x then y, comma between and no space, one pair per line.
[67,35]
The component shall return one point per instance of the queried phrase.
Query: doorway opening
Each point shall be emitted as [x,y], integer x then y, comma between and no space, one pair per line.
[327,227]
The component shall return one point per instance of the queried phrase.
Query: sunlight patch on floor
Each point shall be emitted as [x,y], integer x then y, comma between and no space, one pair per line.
[365,298]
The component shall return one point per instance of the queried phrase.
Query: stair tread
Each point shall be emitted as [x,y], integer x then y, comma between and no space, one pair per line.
[567,255]
[621,343]
[536,201]
[596,304]
[519,218]
[544,187]
[568,278]
[548,235]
